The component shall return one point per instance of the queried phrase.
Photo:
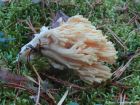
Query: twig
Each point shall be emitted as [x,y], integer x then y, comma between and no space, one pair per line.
[31,79]
[120,85]
[39,80]
[94,4]
[121,69]
[122,98]
[126,77]
[64,97]
[38,94]
[101,26]
[20,82]
[13,23]
[39,87]
[123,9]
[116,38]
[29,90]
[73,92]
[126,103]
[65,82]
[132,19]
[28,22]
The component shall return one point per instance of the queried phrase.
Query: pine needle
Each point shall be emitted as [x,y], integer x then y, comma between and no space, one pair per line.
[64,97]
[39,86]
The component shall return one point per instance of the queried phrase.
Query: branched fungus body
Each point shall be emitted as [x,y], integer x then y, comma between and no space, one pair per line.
[76,44]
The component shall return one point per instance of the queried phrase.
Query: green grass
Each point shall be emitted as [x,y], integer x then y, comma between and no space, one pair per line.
[104,15]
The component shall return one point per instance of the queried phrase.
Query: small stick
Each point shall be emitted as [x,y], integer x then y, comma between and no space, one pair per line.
[30,91]
[65,83]
[30,25]
[64,97]
[116,38]
[121,69]
[39,80]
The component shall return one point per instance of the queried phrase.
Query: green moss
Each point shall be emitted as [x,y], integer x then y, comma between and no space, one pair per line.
[105,14]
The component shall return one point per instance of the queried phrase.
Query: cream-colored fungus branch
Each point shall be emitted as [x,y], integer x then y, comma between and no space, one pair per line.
[78,45]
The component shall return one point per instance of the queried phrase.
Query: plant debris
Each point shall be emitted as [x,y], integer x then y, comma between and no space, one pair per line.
[20,82]
[122,68]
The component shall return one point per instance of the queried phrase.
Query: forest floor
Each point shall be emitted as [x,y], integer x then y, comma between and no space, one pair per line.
[118,19]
